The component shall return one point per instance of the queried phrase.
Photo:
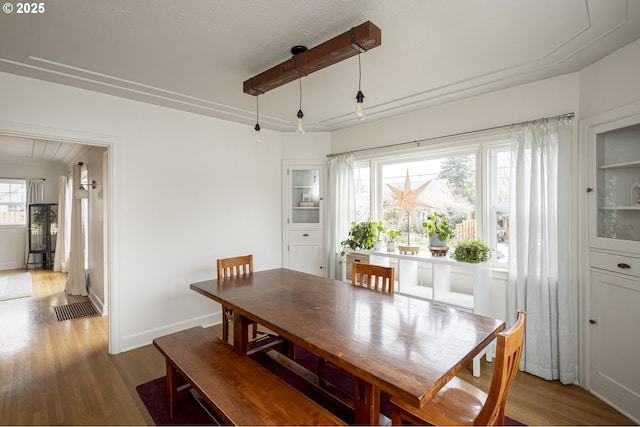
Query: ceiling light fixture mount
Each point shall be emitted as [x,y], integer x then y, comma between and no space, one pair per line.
[296,50]
[304,61]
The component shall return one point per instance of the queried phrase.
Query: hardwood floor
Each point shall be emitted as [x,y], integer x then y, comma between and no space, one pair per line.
[59,373]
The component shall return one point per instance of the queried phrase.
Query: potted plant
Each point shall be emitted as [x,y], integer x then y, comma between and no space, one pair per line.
[474,251]
[439,229]
[379,230]
[392,236]
[362,235]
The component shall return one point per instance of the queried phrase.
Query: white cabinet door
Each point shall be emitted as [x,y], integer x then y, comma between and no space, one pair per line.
[306,256]
[614,184]
[615,340]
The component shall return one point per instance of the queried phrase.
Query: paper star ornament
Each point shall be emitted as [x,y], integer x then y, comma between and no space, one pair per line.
[408,198]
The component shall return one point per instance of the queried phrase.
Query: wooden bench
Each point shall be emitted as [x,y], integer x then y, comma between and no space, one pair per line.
[236,388]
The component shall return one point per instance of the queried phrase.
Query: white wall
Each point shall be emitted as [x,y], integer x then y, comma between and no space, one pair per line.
[308,146]
[540,99]
[186,190]
[611,82]
[97,286]
[13,238]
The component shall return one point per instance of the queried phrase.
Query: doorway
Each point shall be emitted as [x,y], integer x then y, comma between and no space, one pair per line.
[97,150]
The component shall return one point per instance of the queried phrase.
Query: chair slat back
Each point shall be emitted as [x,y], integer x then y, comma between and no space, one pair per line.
[508,354]
[236,266]
[374,277]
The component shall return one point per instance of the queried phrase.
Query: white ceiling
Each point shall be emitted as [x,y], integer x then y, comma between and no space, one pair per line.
[194,54]
[39,150]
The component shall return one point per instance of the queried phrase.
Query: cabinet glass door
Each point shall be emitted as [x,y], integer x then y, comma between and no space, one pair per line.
[617,155]
[305,196]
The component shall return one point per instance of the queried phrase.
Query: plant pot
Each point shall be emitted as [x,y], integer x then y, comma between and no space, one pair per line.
[391,246]
[435,242]
[377,245]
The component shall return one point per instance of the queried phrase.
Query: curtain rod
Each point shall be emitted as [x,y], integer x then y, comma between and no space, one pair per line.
[435,138]
[17,177]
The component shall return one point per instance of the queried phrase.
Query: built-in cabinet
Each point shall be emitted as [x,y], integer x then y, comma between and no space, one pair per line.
[613,193]
[304,217]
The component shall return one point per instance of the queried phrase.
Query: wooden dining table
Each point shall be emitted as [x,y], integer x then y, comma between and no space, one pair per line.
[405,346]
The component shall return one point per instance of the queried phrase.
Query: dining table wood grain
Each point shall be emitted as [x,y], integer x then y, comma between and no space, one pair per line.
[405,346]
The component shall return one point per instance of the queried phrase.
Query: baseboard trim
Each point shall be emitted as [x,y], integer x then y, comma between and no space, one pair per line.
[102,308]
[131,342]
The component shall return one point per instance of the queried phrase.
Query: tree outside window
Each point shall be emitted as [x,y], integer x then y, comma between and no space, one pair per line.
[451,183]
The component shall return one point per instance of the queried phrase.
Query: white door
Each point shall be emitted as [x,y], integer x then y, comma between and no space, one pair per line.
[615,341]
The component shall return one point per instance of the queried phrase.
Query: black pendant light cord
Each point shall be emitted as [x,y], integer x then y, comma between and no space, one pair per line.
[359,72]
[300,81]
[257,128]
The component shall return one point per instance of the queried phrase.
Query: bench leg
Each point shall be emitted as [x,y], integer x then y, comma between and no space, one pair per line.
[172,387]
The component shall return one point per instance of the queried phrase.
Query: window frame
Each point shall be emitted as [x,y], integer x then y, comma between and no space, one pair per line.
[26,213]
[493,207]
[481,144]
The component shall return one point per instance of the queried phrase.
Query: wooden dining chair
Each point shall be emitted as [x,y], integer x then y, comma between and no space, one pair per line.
[460,403]
[374,277]
[230,267]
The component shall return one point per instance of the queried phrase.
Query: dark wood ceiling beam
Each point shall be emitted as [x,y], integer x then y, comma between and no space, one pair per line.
[364,37]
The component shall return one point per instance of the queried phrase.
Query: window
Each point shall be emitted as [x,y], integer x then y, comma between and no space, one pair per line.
[13,202]
[450,188]
[468,180]
[500,191]
[362,184]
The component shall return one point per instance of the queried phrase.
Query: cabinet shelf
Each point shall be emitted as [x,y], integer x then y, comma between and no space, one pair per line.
[304,209]
[621,208]
[635,163]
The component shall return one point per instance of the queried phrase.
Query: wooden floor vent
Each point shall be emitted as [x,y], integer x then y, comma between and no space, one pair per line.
[76,310]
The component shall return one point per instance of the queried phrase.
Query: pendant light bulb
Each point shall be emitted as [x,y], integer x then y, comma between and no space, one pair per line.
[359,106]
[300,127]
[258,137]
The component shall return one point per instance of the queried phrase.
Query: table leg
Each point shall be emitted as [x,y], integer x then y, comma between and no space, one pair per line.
[367,403]
[172,387]
[240,333]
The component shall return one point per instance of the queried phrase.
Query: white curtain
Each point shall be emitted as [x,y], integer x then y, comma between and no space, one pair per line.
[76,281]
[61,260]
[35,190]
[341,209]
[35,194]
[539,249]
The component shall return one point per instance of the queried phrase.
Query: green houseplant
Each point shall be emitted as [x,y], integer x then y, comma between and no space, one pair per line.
[362,235]
[474,251]
[439,229]
[379,231]
[392,236]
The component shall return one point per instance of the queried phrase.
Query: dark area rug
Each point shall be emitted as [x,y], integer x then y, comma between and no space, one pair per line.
[190,412]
